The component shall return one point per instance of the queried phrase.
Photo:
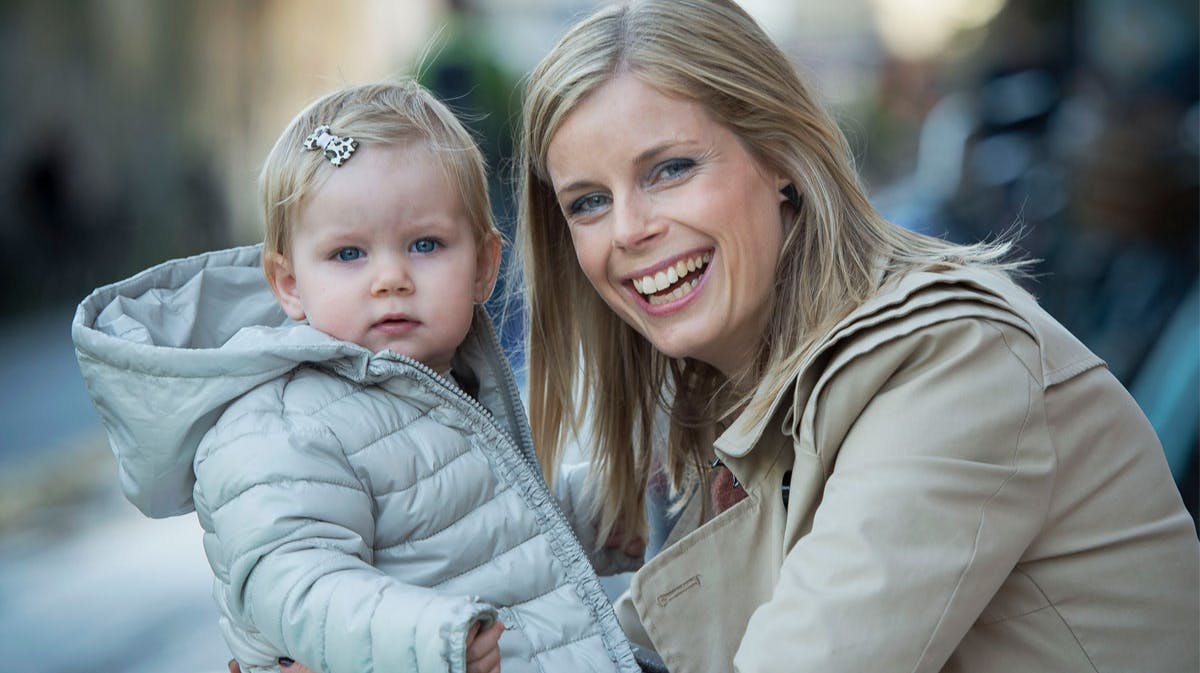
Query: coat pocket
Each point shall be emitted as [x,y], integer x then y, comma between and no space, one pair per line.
[695,598]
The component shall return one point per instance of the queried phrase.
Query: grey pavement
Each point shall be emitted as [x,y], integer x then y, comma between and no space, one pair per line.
[89,585]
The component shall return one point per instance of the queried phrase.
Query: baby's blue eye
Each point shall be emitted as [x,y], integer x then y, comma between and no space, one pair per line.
[424,246]
[349,254]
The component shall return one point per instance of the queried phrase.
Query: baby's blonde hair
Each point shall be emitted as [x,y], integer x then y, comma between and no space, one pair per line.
[382,113]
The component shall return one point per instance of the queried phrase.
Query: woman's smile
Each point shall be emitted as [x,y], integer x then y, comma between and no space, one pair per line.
[675,280]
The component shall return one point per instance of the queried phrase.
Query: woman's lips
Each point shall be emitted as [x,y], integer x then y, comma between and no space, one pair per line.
[657,280]
[671,285]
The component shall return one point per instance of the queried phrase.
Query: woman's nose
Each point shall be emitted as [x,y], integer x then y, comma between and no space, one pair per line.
[635,224]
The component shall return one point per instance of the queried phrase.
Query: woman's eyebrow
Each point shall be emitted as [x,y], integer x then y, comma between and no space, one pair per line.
[644,156]
[654,151]
[574,187]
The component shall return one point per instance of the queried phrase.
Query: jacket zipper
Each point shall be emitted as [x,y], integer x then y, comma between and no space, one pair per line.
[510,386]
[531,461]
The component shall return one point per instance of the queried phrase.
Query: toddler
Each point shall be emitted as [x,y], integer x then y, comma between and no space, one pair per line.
[349,432]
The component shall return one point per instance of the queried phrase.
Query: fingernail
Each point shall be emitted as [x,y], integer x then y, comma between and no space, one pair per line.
[285,662]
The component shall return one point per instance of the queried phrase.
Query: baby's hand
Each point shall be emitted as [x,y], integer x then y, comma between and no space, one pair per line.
[483,649]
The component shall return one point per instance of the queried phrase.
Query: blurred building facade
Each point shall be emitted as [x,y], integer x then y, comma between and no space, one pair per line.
[134,129]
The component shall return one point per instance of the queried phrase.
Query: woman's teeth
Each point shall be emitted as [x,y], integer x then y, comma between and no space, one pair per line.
[653,286]
[684,288]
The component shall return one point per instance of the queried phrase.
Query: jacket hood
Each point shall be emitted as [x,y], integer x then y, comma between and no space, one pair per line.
[164,352]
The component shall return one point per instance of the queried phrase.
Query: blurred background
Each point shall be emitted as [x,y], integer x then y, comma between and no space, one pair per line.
[133,131]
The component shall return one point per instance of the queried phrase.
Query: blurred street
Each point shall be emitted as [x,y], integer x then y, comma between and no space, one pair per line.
[45,404]
[87,584]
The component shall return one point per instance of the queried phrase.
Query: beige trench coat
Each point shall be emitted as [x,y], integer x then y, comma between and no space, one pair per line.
[970,490]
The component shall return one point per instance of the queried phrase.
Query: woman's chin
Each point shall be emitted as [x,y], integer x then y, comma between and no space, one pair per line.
[677,346]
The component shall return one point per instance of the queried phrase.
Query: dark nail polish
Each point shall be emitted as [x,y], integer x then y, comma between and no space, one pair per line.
[285,662]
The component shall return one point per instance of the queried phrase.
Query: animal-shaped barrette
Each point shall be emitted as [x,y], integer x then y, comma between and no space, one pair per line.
[336,148]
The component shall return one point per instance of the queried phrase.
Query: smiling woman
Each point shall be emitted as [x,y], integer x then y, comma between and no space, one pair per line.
[674,186]
[842,420]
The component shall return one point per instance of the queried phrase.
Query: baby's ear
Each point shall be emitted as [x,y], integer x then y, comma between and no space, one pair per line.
[283,283]
[487,268]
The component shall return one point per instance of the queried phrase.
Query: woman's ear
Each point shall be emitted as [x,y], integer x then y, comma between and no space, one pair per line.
[282,279]
[487,268]
[787,191]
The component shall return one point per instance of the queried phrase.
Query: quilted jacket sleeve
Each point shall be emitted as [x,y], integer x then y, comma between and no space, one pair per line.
[939,476]
[292,527]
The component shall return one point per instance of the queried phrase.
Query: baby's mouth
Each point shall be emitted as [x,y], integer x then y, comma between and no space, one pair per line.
[394,322]
[674,281]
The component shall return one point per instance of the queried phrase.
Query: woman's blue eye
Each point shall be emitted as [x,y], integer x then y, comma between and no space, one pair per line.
[673,168]
[587,204]
[424,246]
[349,254]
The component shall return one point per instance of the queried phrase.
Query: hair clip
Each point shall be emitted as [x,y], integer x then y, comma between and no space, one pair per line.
[336,148]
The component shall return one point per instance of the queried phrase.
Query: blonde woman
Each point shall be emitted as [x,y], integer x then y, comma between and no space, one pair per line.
[885,456]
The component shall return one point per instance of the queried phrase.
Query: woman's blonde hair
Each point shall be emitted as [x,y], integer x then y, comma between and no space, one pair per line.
[381,113]
[584,361]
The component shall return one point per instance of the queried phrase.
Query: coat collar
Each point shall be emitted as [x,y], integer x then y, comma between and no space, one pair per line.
[896,299]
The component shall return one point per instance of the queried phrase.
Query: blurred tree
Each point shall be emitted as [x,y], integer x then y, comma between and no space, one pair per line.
[464,72]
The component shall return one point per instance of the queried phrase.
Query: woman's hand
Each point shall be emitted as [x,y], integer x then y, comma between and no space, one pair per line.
[483,649]
[635,547]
